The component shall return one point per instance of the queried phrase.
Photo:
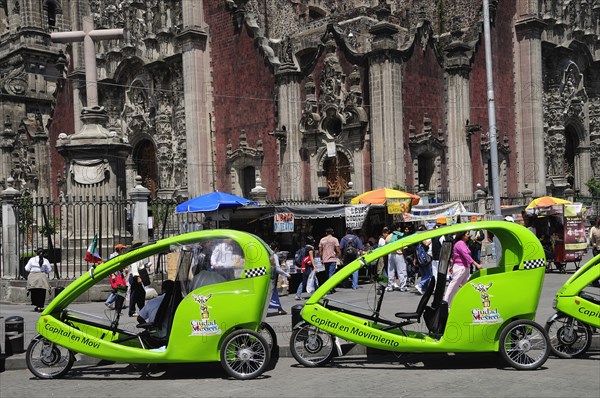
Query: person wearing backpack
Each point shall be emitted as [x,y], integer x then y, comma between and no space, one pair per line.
[307,264]
[351,246]
[396,271]
[423,260]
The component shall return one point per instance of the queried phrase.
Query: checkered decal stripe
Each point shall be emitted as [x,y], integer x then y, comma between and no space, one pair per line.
[530,264]
[254,272]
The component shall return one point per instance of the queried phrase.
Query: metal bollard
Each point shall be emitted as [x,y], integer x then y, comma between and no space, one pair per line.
[14,336]
[296,316]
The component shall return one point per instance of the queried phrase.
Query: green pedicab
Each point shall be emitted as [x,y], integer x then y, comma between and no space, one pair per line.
[213,313]
[577,304]
[493,312]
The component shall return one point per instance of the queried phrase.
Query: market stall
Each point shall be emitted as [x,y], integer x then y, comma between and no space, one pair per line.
[561,228]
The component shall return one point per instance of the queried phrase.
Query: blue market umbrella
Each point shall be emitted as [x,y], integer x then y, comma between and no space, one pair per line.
[213,201]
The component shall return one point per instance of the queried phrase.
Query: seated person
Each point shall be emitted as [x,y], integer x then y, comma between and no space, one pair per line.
[148,313]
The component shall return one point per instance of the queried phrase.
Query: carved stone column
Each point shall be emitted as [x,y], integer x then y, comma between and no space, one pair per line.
[530,115]
[385,91]
[288,134]
[198,102]
[458,67]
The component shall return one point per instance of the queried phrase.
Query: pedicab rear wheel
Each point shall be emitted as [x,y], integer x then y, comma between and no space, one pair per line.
[524,344]
[569,338]
[47,360]
[311,346]
[245,354]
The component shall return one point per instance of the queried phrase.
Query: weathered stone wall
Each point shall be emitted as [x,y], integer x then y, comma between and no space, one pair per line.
[504,95]
[244,88]
[423,92]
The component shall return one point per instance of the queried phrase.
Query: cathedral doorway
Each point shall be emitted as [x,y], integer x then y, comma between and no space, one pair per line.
[144,158]
[248,180]
[337,173]
[570,161]
[425,171]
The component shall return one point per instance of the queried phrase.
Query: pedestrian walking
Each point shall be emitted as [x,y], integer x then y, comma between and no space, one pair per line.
[329,248]
[275,303]
[37,281]
[351,246]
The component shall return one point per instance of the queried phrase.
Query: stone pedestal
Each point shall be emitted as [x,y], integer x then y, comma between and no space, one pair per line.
[259,193]
[95,161]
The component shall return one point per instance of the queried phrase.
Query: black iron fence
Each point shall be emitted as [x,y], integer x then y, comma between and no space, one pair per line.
[65,229]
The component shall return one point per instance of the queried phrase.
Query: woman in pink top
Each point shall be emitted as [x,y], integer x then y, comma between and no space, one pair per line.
[461,264]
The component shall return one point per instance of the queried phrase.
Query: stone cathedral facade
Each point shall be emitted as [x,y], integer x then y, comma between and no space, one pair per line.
[305,97]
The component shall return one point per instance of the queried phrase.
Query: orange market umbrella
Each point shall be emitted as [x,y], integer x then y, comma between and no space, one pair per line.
[546,201]
[380,197]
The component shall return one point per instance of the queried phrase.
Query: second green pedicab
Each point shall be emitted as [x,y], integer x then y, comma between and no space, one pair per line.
[577,318]
[493,312]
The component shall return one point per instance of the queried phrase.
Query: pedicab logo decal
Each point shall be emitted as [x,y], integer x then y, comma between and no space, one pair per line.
[204,327]
[485,314]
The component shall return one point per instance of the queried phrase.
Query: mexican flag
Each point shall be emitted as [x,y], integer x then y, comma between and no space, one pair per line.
[92,255]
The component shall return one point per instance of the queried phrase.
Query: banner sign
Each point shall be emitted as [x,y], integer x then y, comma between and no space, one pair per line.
[283,222]
[398,206]
[575,239]
[355,216]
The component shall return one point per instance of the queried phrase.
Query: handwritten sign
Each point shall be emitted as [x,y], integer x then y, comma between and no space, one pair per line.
[355,216]
[283,222]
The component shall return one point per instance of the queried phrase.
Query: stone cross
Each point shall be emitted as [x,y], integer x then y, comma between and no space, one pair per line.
[88,36]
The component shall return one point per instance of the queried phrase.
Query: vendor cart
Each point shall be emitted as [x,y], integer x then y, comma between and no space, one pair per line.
[563,224]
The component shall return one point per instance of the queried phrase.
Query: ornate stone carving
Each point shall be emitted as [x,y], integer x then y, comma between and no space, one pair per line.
[310,117]
[555,151]
[136,111]
[89,172]
[595,136]
[427,137]
[337,113]
[572,92]
[14,81]
[244,154]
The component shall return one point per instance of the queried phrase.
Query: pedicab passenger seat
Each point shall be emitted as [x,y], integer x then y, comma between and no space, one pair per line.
[157,332]
[436,315]
[415,317]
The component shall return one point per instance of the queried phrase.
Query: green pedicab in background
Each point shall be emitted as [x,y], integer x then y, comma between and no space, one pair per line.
[494,311]
[213,313]
[577,304]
